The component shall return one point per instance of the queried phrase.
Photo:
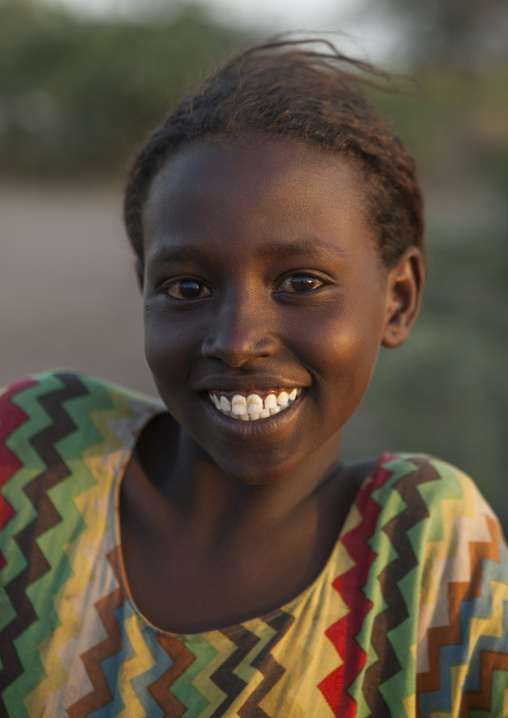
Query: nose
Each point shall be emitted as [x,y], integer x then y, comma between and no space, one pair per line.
[241,331]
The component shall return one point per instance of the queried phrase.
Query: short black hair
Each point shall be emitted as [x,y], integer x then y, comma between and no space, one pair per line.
[286,88]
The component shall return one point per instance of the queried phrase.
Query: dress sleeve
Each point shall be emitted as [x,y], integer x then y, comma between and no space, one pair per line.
[462,648]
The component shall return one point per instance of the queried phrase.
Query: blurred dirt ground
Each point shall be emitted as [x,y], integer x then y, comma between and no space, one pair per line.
[68,295]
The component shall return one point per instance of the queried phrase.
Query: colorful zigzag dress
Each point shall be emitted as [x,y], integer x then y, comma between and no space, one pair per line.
[407,618]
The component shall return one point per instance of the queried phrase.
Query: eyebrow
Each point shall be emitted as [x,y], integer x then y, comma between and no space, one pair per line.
[310,247]
[302,247]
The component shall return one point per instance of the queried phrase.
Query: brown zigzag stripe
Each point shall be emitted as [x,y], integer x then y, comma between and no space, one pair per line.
[160,690]
[101,694]
[268,666]
[490,661]
[224,677]
[47,517]
[459,591]
[396,612]
[481,700]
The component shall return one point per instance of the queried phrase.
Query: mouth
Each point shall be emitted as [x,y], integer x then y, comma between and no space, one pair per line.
[253,405]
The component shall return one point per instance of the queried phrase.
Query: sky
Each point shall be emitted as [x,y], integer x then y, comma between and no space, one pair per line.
[369,40]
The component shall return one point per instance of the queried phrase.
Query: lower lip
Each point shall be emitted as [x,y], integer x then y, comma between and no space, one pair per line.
[259,428]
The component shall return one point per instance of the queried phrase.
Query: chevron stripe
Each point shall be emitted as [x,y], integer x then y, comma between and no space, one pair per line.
[74,500]
[386,643]
[450,633]
[160,663]
[224,676]
[487,617]
[25,629]
[121,674]
[305,642]
[349,584]
[218,651]
[105,458]
[11,418]
[161,690]
[475,610]
[271,670]
[92,659]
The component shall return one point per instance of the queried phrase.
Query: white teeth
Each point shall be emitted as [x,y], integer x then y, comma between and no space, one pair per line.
[224,404]
[239,405]
[283,399]
[254,404]
[270,401]
[251,407]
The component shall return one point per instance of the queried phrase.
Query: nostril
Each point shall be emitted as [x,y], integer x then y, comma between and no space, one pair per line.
[238,350]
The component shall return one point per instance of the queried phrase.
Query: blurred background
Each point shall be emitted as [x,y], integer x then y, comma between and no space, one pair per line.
[82,82]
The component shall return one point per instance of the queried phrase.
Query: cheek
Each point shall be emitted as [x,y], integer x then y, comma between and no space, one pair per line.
[169,345]
[342,348]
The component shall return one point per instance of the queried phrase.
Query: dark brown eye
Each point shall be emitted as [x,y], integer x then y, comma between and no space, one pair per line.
[188,289]
[300,283]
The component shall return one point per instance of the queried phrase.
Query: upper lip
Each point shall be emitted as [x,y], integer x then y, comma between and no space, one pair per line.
[245,384]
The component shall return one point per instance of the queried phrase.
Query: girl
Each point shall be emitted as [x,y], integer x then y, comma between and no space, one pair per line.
[213,556]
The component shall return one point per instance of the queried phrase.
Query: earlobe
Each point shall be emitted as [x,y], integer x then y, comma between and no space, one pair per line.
[403,297]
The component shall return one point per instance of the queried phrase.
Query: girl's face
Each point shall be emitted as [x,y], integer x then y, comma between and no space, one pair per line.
[262,275]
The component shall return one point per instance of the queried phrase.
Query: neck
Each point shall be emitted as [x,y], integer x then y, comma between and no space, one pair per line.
[194,489]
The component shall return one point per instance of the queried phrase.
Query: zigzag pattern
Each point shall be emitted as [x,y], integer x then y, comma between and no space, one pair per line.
[451,655]
[92,659]
[12,418]
[37,492]
[349,585]
[224,676]
[421,570]
[266,664]
[160,691]
[397,610]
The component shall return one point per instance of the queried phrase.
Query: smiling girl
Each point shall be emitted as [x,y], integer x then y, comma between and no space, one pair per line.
[213,556]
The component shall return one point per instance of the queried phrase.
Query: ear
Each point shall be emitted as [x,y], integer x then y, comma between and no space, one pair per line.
[140,273]
[403,297]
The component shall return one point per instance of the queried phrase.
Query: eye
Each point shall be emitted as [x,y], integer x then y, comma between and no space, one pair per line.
[188,289]
[299,283]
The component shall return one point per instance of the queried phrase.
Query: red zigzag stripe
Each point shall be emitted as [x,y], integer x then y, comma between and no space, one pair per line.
[343,633]
[11,417]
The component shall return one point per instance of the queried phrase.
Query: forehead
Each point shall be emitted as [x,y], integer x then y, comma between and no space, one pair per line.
[256,190]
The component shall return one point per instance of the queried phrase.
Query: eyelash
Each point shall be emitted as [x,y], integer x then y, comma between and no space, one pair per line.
[297,275]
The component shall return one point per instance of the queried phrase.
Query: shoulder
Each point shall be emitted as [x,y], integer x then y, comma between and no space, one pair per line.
[438,524]
[427,479]
[434,506]
[59,388]
[41,411]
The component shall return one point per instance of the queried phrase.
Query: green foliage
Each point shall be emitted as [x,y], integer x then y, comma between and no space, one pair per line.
[76,94]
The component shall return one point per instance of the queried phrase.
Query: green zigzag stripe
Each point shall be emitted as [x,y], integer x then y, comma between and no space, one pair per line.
[28,401]
[41,592]
[402,635]
[183,689]
[393,504]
